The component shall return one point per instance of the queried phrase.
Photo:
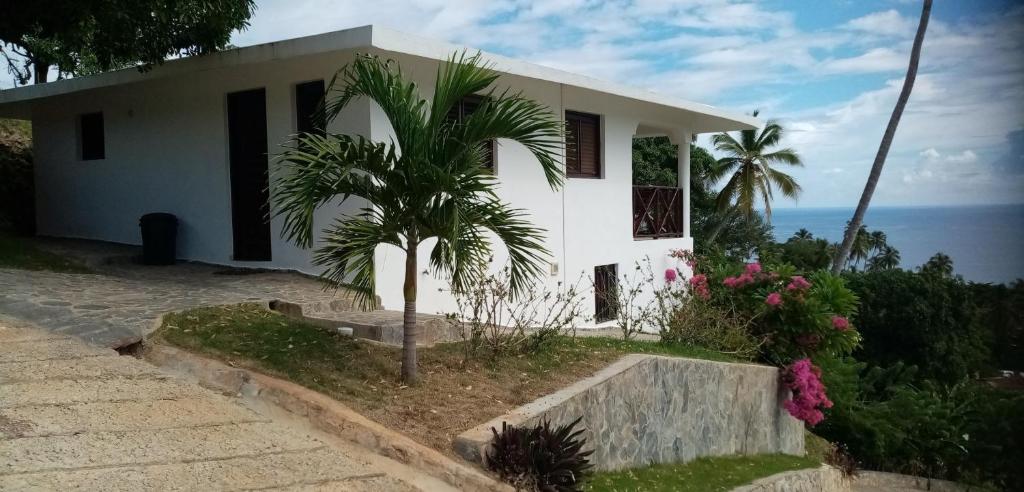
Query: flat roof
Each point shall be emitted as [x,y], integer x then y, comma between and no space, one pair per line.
[14,102]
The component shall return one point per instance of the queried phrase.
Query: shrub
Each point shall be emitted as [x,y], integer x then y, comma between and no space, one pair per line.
[808,394]
[17,196]
[702,324]
[1002,311]
[540,458]
[929,321]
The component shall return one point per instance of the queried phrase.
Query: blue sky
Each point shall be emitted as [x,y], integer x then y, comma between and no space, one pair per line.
[830,71]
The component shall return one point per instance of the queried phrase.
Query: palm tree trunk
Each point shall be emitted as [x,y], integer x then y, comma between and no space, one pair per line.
[883,149]
[720,226]
[409,326]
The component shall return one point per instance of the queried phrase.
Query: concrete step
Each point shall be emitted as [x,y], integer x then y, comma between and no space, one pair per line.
[64,392]
[80,418]
[59,349]
[86,368]
[126,448]
[301,470]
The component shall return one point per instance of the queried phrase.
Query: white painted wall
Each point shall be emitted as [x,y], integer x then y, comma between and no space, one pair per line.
[166,151]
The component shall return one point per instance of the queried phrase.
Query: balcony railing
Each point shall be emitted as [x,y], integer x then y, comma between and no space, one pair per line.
[657,212]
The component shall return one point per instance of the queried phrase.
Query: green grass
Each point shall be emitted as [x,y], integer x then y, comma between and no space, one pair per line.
[17,252]
[700,475]
[456,392]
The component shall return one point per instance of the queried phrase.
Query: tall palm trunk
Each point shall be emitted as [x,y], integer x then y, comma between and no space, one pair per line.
[409,326]
[883,149]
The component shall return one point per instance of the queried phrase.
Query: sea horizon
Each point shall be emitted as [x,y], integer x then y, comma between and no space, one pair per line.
[984,241]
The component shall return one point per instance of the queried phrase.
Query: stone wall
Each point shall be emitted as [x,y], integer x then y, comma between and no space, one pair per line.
[648,409]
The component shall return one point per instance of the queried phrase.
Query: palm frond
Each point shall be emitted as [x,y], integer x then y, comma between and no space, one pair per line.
[348,252]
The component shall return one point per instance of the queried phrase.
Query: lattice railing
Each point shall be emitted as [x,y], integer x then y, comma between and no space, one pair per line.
[657,212]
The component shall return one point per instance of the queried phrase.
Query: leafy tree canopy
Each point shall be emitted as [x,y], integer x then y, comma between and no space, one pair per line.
[86,36]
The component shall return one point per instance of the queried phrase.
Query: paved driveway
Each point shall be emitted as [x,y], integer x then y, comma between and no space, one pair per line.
[124,300]
[74,416]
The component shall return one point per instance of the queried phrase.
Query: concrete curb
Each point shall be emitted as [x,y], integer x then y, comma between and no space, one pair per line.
[825,478]
[322,412]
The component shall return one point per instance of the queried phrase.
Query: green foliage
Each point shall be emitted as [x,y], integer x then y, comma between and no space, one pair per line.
[655,160]
[703,324]
[19,252]
[928,321]
[806,254]
[968,432]
[1002,309]
[739,237]
[540,458]
[82,36]
[17,186]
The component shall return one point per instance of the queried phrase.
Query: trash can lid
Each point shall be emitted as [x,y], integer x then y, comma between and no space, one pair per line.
[158,216]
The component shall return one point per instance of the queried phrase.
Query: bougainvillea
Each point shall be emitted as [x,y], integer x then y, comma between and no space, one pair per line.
[670,275]
[808,399]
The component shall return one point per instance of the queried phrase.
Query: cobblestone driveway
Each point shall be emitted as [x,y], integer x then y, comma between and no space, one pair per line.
[123,301]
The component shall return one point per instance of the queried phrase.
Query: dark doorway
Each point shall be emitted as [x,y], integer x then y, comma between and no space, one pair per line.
[247,146]
[606,292]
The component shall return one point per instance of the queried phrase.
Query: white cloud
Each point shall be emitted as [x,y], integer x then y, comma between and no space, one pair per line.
[887,23]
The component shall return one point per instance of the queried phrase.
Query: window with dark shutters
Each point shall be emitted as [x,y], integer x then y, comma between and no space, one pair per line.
[606,284]
[582,145]
[460,111]
[90,136]
[308,117]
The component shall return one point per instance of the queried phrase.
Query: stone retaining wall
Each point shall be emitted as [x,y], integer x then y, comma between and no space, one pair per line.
[648,409]
[822,479]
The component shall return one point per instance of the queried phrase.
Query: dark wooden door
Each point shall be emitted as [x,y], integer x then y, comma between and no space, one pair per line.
[247,147]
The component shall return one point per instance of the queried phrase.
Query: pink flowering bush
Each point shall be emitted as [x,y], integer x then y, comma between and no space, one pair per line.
[808,397]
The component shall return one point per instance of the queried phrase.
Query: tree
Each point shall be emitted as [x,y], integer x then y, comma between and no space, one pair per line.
[748,164]
[84,36]
[655,161]
[428,183]
[939,264]
[803,234]
[883,148]
[886,259]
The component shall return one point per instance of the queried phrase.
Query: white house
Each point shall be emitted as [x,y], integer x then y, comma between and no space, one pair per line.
[191,138]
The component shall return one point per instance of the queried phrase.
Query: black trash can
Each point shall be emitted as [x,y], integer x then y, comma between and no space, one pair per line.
[159,238]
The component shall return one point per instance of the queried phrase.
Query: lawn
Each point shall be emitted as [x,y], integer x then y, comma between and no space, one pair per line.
[18,252]
[700,475]
[455,393]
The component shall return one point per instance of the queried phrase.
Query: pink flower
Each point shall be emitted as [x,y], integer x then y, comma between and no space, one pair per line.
[698,279]
[670,275]
[773,299]
[691,263]
[808,394]
[798,283]
[730,282]
[840,323]
[752,268]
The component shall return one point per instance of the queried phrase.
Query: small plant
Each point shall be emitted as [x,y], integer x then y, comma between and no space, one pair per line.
[540,458]
[629,300]
[838,457]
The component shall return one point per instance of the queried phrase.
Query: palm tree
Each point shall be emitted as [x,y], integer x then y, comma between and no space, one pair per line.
[748,163]
[939,264]
[861,246]
[427,183]
[887,259]
[803,234]
[878,241]
[887,137]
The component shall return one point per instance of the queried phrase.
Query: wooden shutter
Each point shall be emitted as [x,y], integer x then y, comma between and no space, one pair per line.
[90,134]
[460,111]
[582,145]
[308,115]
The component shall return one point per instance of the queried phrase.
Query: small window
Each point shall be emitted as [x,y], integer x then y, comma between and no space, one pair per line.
[90,135]
[582,145]
[309,116]
[606,295]
[463,109]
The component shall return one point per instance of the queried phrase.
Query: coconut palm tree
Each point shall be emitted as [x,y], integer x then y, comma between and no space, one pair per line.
[878,241]
[427,183]
[748,164]
[803,234]
[887,137]
[939,264]
[887,259]
[861,249]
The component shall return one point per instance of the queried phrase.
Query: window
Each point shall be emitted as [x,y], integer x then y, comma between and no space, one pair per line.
[582,145]
[463,109]
[606,285]
[308,115]
[90,136]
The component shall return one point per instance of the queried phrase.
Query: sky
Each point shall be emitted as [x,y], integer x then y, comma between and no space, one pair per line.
[828,71]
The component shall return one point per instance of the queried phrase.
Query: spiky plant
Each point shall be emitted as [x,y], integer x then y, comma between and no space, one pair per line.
[540,458]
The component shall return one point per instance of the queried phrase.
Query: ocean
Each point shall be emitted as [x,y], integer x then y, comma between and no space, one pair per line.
[986,243]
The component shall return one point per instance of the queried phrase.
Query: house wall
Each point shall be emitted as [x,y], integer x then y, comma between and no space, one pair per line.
[588,221]
[166,151]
